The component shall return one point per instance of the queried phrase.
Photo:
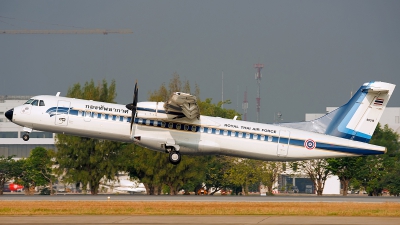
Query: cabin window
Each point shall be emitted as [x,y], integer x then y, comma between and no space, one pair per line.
[41,103]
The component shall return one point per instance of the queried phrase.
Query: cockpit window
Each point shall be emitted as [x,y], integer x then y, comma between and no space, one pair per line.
[29,101]
[35,102]
[41,103]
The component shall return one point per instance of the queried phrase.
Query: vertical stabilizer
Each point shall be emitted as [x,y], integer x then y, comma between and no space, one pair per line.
[358,118]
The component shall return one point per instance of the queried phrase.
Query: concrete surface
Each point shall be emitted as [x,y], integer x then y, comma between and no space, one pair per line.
[194,220]
[199,198]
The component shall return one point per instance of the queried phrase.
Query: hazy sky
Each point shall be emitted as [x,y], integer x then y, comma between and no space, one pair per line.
[314,52]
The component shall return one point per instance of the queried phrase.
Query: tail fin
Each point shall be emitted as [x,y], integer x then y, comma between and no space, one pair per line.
[358,118]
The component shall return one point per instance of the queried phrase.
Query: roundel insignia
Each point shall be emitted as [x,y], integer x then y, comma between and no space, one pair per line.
[309,144]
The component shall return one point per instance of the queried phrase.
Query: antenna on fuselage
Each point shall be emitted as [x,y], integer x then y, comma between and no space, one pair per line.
[58,94]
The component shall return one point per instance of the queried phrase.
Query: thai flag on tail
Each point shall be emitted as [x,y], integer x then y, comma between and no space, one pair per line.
[378,101]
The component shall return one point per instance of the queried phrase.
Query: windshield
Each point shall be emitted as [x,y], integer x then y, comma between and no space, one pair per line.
[29,101]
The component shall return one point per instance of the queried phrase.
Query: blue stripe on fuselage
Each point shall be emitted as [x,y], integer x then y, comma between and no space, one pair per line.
[196,128]
[242,134]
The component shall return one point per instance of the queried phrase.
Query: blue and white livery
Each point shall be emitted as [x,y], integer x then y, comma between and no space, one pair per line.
[176,126]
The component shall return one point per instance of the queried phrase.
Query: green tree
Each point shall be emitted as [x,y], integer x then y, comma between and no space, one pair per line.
[244,172]
[36,170]
[207,108]
[346,169]
[9,169]
[215,169]
[88,160]
[392,180]
[372,173]
[378,172]
[178,175]
[269,173]
[316,169]
[149,167]
[175,85]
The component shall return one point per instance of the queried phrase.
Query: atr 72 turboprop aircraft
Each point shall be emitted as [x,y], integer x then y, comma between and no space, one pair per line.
[176,126]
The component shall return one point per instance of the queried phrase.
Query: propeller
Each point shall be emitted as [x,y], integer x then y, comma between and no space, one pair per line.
[133,106]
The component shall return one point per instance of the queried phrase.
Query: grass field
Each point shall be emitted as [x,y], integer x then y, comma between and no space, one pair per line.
[197,208]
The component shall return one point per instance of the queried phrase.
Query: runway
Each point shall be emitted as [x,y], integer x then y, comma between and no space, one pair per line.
[199,198]
[198,220]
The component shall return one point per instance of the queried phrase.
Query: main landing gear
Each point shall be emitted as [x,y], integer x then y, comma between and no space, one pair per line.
[174,156]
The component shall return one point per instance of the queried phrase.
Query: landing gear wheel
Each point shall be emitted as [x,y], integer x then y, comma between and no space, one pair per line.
[25,137]
[174,157]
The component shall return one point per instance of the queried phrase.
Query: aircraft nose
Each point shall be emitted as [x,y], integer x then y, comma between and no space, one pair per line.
[9,114]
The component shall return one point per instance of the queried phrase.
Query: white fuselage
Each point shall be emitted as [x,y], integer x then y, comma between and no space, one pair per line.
[154,128]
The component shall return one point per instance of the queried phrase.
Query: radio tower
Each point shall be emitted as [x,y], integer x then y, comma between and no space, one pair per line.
[245,105]
[258,66]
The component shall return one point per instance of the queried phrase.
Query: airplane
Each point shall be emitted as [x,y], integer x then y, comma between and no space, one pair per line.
[176,126]
[127,186]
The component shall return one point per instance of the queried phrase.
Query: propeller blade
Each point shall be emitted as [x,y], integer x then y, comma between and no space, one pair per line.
[133,105]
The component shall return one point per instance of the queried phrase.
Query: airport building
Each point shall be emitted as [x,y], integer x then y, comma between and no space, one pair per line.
[11,142]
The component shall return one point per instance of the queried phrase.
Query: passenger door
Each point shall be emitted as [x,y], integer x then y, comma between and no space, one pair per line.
[62,113]
[283,143]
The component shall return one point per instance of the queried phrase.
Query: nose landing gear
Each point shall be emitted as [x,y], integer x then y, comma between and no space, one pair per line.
[27,130]
[25,137]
